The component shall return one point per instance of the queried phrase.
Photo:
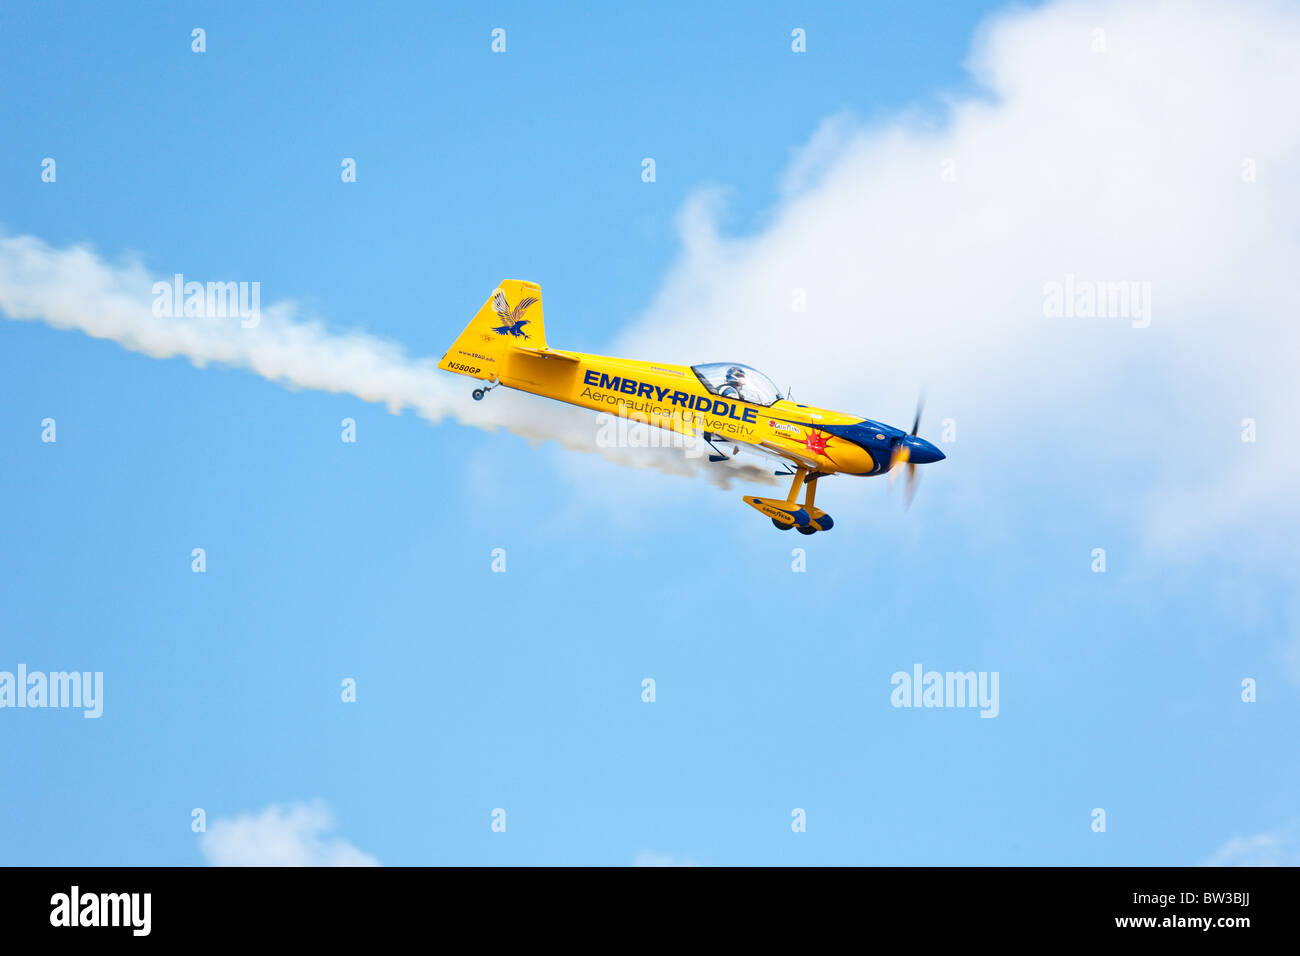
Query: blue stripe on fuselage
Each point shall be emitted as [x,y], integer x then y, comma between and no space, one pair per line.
[863,434]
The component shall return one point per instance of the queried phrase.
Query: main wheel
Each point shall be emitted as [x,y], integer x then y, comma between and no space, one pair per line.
[780,526]
[806,529]
[478,394]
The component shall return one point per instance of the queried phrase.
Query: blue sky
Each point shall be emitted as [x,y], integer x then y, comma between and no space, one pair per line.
[372,561]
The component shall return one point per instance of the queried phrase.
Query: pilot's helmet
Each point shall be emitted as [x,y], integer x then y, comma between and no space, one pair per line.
[735,374]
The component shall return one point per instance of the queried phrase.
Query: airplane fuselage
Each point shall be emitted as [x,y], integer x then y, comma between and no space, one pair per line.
[673,397]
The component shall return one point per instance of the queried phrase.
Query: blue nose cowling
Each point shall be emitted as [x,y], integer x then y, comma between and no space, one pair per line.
[921,451]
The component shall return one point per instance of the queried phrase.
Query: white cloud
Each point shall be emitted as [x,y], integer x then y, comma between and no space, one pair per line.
[1122,165]
[1264,849]
[295,835]
[811,162]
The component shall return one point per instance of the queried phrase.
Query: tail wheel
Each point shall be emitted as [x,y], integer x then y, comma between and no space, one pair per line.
[478,394]
[780,526]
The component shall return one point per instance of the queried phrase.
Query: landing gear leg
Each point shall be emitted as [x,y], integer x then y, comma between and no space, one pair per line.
[478,393]
[822,519]
[799,475]
[808,505]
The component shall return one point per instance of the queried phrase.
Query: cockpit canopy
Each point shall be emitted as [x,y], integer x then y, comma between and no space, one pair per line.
[733,380]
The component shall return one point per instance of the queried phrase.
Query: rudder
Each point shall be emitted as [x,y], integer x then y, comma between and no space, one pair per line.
[511,317]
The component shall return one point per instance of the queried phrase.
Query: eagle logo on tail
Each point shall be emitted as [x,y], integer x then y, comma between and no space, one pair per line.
[512,324]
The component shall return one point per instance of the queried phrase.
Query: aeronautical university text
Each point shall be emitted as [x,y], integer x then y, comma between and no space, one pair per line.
[697,403]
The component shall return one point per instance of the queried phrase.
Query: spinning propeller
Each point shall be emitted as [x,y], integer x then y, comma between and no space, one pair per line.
[911,451]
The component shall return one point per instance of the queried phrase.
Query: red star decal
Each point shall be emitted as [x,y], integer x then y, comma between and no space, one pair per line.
[816,442]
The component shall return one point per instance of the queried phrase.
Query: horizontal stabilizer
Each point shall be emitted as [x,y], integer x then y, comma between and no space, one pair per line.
[548,353]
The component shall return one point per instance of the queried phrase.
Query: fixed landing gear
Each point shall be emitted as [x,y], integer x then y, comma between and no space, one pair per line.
[478,393]
[787,513]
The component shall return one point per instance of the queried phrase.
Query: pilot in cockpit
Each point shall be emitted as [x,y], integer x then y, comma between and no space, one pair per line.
[734,387]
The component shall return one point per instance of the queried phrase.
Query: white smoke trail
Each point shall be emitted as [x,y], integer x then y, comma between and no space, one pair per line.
[76,289]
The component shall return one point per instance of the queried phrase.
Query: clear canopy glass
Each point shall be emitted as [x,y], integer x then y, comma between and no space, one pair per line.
[733,380]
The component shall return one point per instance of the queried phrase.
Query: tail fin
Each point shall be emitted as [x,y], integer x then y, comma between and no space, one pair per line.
[510,318]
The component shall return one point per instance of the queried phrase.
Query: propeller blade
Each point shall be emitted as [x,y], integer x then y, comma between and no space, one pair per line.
[909,490]
[899,455]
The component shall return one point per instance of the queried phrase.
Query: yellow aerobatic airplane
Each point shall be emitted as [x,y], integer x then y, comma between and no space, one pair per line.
[505,344]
